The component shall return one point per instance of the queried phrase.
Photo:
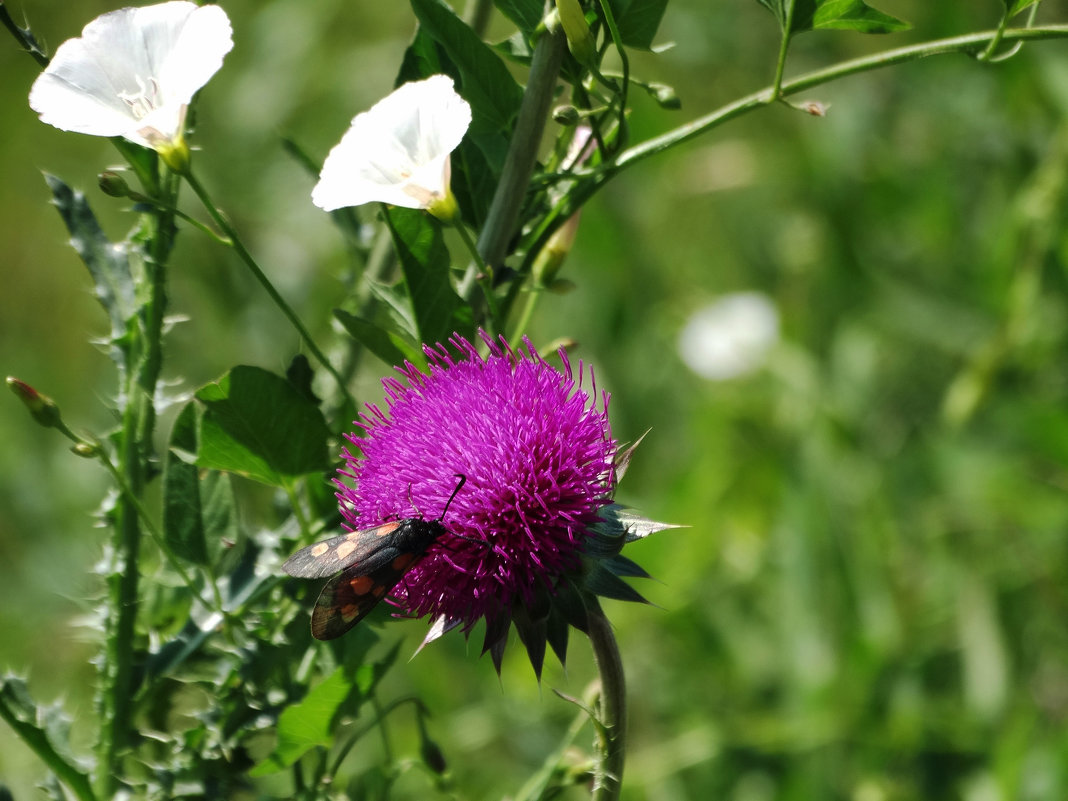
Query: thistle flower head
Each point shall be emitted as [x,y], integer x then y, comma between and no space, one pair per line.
[133,72]
[537,451]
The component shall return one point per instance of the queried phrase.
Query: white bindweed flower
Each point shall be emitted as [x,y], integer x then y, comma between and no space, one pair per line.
[133,72]
[730,337]
[398,151]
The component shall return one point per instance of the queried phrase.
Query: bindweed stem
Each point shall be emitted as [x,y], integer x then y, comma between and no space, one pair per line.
[235,242]
[484,275]
[612,706]
[592,181]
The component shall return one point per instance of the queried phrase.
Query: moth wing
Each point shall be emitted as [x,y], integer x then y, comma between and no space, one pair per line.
[338,553]
[348,598]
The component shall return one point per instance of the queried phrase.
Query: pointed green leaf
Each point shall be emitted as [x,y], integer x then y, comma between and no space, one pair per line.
[438,310]
[43,732]
[445,44]
[218,510]
[183,525]
[834,14]
[108,262]
[256,424]
[638,20]
[485,81]
[1014,7]
[309,723]
[855,15]
[527,14]
[389,346]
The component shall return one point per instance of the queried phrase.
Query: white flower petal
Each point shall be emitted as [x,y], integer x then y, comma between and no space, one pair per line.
[398,151]
[730,337]
[133,71]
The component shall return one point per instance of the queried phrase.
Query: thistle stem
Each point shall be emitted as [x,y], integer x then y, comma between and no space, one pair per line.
[612,706]
[235,242]
[143,362]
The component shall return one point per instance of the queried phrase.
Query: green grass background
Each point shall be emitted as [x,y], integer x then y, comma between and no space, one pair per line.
[871,599]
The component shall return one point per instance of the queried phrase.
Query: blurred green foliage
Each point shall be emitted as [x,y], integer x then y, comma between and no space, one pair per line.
[870,601]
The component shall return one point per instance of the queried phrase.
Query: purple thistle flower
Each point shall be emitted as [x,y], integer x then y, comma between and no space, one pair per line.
[538,456]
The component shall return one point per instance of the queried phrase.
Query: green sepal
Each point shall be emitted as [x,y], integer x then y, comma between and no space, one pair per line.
[531,625]
[602,581]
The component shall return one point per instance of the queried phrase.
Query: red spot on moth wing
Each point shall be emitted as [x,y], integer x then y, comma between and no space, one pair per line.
[361,585]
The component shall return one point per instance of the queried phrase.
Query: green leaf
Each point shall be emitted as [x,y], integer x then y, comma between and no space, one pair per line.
[527,14]
[389,346]
[309,723]
[218,509]
[44,731]
[445,44]
[638,20]
[485,81]
[1014,7]
[108,262]
[854,15]
[183,524]
[424,259]
[256,424]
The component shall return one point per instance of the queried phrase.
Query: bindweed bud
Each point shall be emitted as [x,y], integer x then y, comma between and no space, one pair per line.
[551,257]
[430,751]
[113,184]
[665,96]
[42,408]
[566,115]
[87,450]
[579,37]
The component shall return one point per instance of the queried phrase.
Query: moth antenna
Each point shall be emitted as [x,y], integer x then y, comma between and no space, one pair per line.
[448,503]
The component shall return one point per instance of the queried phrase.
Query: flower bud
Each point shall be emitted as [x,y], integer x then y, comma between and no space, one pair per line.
[665,96]
[87,450]
[113,184]
[430,751]
[42,408]
[551,257]
[579,38]
[566,115]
